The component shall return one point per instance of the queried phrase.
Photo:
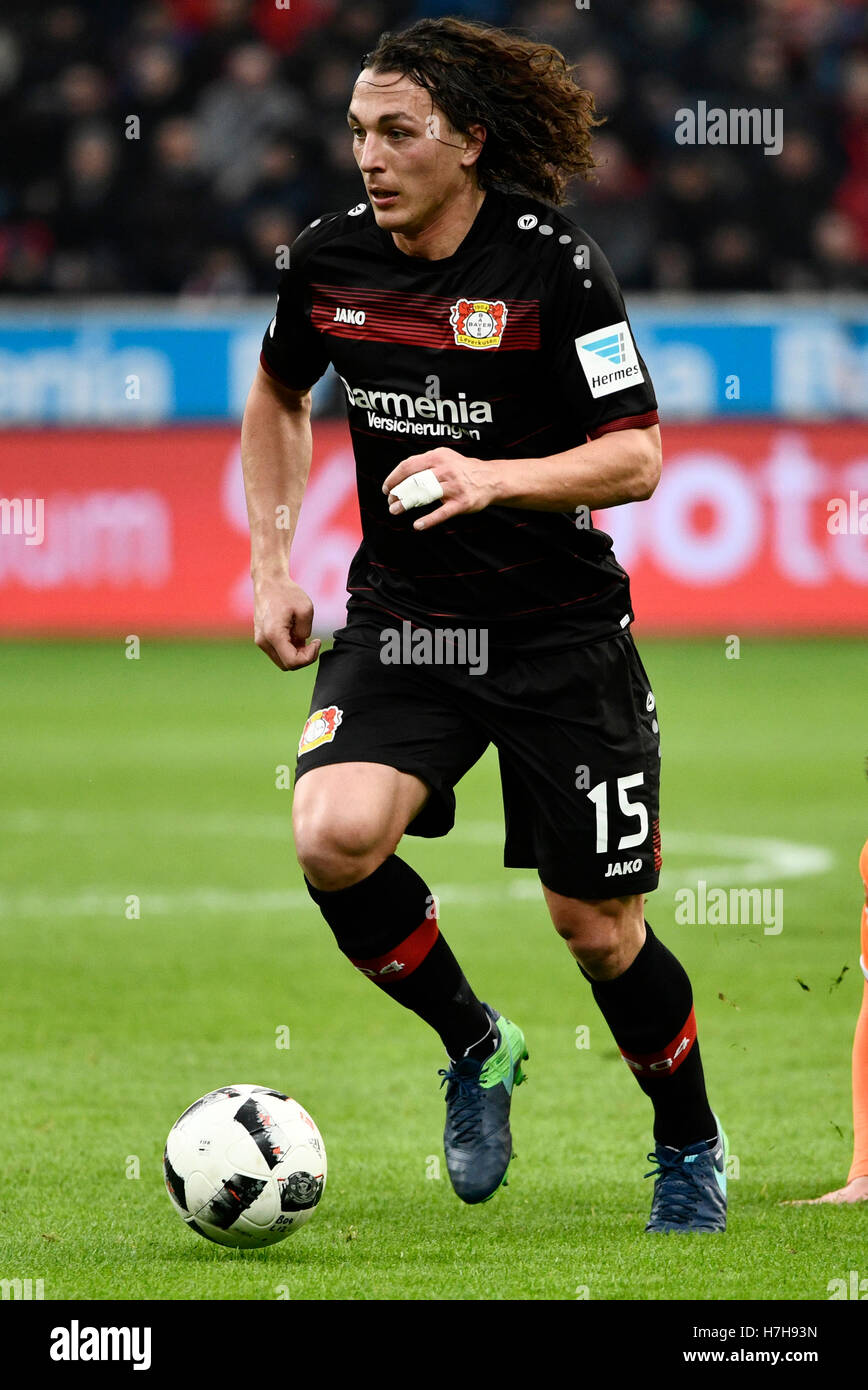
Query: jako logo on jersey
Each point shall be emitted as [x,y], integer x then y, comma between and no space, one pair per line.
[478,323]
[609,359]
[321,727]
[349,316]
[627,866]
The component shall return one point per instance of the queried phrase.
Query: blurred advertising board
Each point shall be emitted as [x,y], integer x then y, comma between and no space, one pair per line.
[733,359]
[753,528]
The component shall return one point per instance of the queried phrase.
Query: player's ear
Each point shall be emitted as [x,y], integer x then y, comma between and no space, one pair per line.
[475,144]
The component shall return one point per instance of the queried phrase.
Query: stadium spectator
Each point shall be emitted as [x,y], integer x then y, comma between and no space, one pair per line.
[155,82]
[618,208]
[172,219]
[238,115]
[690,207]
[90,212]
[285,177]
[267,232]
[839,263]
[852,195]
[799,176]
[222,275]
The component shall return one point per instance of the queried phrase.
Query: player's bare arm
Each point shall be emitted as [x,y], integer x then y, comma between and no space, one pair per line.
[276,448]
[621,467]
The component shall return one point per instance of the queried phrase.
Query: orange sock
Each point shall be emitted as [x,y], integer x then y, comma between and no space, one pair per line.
[859,1168]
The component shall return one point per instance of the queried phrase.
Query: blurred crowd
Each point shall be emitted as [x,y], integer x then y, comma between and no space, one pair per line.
[168,146]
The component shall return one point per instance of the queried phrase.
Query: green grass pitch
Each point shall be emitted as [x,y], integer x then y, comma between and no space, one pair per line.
[157,778]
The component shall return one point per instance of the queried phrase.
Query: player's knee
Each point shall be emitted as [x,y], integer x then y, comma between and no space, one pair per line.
[604,937]
[596,948]
[338,846]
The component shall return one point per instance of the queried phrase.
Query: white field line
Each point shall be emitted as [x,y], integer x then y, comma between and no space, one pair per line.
[721,860]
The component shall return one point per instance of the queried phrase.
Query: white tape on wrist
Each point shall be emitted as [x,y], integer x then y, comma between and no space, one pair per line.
[419,489]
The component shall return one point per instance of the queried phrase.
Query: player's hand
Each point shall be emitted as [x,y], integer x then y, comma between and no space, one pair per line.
[282,622]
[468,484]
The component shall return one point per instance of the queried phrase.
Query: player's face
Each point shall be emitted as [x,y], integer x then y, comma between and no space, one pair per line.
[406,151]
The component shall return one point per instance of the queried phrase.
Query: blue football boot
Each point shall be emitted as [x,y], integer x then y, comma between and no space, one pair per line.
[689,1186]
[477,1139]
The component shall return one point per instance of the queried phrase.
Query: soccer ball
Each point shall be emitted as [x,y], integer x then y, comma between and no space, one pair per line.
[245,1166]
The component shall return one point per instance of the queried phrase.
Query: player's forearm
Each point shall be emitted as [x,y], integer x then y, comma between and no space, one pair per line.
[623,466]
[276,448]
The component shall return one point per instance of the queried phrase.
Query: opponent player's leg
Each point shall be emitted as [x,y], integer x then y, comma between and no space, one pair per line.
[857,1180]
[645,996]
[348,819]
[856,1186]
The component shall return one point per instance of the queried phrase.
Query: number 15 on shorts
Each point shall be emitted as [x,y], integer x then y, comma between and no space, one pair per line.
[630,810]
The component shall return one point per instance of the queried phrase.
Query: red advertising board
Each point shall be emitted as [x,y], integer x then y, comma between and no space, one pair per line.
[753,528]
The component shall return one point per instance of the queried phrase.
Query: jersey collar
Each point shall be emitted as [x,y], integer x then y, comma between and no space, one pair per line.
[485,218]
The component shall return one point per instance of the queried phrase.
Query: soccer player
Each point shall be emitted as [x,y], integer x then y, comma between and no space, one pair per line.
[856,1186]
[483,345]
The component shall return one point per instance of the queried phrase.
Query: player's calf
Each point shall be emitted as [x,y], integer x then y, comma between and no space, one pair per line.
[386,925]
[646,999]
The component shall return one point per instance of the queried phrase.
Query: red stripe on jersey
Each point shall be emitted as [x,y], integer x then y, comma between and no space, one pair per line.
[628,422]
[655,843]
[403,959]
[669,1059]
[417,320]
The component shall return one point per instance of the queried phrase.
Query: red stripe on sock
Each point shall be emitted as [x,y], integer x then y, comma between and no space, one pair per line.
[403,959]
[667,1061]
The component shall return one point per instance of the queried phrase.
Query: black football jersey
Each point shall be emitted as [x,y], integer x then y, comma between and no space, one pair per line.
[516,346]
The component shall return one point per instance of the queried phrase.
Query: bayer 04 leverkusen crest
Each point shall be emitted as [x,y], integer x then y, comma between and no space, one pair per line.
[478,323]
[321,727]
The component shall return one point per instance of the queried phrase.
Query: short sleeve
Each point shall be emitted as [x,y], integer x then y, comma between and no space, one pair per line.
[589,347]
[293,352]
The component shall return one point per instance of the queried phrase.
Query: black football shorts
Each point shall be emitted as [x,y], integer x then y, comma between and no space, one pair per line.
[576,734]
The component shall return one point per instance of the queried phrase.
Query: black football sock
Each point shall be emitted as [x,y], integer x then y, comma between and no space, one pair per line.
[387,926]
[649,1009]
[484,1046]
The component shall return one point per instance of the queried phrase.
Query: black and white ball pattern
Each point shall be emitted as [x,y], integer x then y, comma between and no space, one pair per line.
[245,1166]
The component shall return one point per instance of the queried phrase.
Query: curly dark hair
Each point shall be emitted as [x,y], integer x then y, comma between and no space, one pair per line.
[538,121]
